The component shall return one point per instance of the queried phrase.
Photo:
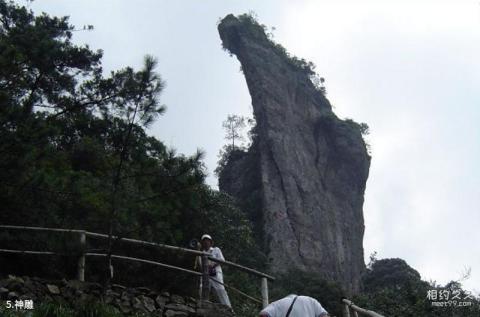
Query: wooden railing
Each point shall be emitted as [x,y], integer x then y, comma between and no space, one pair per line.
[81,264]
[352,310]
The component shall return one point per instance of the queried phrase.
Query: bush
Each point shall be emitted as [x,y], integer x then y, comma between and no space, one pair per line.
[392,288]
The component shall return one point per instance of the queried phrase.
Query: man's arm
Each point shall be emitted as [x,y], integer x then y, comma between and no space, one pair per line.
[217,254]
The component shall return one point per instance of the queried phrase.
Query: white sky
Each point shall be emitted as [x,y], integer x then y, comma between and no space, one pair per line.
[407,68]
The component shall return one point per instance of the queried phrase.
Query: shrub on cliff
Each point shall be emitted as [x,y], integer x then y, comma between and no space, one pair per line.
[250,22]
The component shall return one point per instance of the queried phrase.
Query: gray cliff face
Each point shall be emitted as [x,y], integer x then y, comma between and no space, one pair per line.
[303,179]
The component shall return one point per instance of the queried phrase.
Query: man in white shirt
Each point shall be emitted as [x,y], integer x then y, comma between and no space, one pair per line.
[303,306]
[215,270]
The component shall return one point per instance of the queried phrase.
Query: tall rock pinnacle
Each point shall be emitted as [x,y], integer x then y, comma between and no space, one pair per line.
[303,179]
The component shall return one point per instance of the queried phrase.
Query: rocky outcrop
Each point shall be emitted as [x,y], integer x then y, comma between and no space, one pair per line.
[303,179]
[127,301]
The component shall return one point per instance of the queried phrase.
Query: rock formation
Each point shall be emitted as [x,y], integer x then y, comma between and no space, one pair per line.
[303,179]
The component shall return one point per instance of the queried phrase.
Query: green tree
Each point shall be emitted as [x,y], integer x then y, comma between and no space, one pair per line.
[75,153]
[233,126]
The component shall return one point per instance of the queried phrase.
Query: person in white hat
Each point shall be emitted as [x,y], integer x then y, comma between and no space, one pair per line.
[294,306]
[215,270]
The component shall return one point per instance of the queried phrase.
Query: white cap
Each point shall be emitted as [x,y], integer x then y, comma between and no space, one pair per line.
[206,236]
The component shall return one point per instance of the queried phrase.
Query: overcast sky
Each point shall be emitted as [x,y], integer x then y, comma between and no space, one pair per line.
[410,69]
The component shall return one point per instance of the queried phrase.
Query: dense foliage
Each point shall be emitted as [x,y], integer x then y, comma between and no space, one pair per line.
[75,153]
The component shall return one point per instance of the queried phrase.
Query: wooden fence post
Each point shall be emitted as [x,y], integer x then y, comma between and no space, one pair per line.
[81,259]
[355,314]
[264,292]
[346,310]
[205,279]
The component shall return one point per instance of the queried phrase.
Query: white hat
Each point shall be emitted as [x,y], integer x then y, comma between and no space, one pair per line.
[206,236]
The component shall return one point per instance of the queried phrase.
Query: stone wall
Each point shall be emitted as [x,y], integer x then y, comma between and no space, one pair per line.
[124,299]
